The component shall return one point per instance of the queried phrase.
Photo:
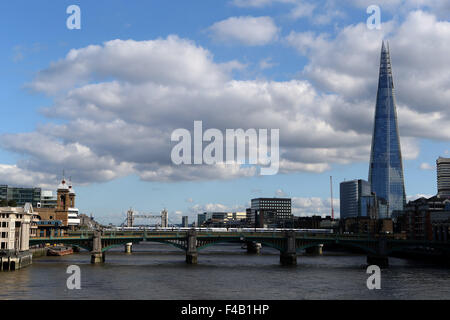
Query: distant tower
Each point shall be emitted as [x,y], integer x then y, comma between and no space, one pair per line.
[443,177]
[164,219]
[63,191]
[71,195]
[386,169]
[331,191]
[63,203]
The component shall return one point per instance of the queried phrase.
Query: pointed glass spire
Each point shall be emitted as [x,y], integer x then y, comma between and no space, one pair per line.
[386,169]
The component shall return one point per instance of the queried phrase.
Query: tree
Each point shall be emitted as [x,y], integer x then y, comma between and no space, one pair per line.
[12,203]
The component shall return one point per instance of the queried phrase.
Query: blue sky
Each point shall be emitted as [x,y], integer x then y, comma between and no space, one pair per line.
[314,65]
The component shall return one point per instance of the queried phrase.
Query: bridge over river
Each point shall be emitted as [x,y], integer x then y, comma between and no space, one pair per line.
[288,242]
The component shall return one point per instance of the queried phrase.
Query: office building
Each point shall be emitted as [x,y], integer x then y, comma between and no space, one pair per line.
[386,168]
[15,227]
[443,177]
[271,212]
[355,196]
[364,225]
[280,206]
[17,224]
[184,222]
[201,218]
[20,196]
[222,219]
[239,216]
[3,192]
[48,199]
[426,219]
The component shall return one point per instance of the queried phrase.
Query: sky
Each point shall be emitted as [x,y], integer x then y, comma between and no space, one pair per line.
[102,101]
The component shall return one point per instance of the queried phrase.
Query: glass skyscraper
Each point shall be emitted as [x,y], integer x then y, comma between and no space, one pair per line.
[386,169]
[352,198]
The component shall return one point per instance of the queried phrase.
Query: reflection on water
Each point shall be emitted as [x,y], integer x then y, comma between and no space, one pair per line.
[158,271]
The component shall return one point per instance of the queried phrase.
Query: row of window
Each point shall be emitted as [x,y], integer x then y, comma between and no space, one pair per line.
[272,202]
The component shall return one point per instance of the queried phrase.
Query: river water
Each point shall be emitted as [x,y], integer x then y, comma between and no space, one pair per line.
[158,271]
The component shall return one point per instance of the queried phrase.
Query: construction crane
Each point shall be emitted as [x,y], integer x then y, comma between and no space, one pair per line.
[131,215]
[331,191]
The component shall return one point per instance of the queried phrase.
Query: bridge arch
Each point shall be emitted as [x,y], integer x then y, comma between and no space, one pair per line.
[216,242]
[118,244]
[239,241]
[176,245]
[339,243]
[73,243]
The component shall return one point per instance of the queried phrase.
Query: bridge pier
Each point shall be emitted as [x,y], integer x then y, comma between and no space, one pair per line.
[97,256]
[191,250]
[253,247]
[380,258]
[129,247]
[315,250]
[288,257]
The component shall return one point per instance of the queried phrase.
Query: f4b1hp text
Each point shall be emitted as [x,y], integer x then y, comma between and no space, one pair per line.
[246,309]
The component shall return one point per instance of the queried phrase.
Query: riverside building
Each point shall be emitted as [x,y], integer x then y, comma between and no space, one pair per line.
[16,226]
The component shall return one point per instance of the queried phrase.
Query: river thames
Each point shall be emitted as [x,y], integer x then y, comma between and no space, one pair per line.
[158,271]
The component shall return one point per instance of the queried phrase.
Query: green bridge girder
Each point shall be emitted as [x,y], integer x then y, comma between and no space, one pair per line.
[275,240]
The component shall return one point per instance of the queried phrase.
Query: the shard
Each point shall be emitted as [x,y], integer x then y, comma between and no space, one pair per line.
[386,169]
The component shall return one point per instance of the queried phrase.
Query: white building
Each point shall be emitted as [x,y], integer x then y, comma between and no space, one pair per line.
[16,225]
[73,218]
[48,199]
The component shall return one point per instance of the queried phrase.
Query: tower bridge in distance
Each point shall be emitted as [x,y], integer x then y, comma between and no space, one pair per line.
[132,215]
[287,242]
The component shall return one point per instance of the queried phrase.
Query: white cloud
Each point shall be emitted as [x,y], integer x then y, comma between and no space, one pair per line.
[120,101]
[280,193]
[346,65]
[427,166]
[417,196]
[259,3]
[16,176]
[251,31]
[209,207]
[304,207]
[302,9]
[440,8]
[47,156]
[173,61]
[266,64]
